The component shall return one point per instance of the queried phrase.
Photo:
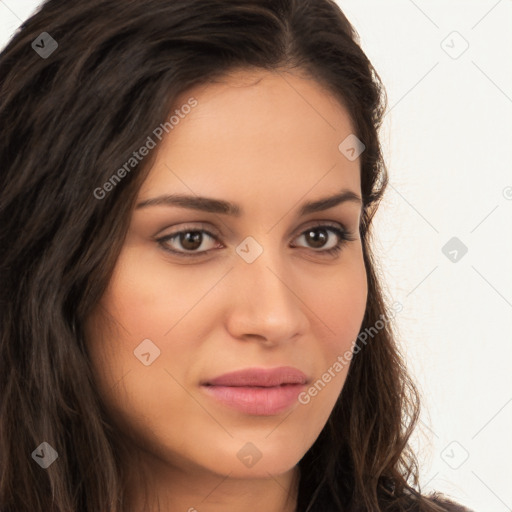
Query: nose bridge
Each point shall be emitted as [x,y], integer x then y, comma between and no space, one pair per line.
[262,266]
[265,303]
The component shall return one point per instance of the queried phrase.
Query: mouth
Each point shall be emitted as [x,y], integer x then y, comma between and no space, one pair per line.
[257,391]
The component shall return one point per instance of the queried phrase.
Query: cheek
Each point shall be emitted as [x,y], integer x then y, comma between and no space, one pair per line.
[149,296]
[147,299]
[340,303]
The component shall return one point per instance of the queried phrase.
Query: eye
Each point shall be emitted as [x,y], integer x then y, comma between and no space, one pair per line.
[319,240]
[324,239]
[191,242]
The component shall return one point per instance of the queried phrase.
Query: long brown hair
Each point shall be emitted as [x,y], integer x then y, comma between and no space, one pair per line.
[72,115]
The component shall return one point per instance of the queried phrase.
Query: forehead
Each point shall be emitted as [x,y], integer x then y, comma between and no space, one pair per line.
[256,130]
[269,100]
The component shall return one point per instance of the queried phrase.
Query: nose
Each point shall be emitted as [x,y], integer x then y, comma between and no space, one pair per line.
[265,305]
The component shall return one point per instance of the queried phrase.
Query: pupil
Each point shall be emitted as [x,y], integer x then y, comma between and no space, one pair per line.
[317,237]
[191,239]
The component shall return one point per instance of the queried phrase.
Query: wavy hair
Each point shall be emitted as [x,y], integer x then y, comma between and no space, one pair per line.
[69,119]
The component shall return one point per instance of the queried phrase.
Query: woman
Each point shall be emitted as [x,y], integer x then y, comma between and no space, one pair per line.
[186,199]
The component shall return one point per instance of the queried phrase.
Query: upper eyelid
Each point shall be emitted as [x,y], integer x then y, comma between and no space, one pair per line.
[216,233]
[316,224]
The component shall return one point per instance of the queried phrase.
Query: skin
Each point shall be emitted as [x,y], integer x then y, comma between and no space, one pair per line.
[267,141]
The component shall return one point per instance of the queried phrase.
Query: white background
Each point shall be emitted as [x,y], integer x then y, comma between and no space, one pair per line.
[448,146]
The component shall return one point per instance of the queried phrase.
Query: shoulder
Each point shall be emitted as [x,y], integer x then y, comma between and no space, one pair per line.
[447,503]
[425,503]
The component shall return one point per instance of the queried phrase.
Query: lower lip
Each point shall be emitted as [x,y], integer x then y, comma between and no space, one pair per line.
[257,401]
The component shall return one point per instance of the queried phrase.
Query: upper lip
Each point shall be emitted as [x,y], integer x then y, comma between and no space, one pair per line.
[262,377]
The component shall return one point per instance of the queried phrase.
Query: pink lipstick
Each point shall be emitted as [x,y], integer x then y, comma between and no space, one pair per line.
[258,391]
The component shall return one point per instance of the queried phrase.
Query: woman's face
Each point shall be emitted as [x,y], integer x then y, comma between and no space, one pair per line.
[254,290]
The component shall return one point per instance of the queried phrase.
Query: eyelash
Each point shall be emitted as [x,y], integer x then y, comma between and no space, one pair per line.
[343,236]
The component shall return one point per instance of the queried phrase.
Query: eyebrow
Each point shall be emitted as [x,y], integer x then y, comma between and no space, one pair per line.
[208,204]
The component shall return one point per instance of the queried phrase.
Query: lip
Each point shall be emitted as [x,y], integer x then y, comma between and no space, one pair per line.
[258,391]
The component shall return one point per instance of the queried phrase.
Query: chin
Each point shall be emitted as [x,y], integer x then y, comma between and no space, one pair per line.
[245,459]
[263,469]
